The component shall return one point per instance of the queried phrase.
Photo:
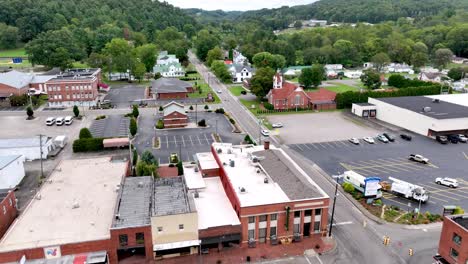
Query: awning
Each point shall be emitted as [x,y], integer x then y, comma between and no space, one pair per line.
[181,244]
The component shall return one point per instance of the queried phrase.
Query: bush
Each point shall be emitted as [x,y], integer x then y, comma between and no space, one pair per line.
[206,107]
[248,139]
[160,109]
[145,169]
[348,187]
[180,168]
[76,111]
[243,92]
[378,202]
[202,123]
[135,157]
[30,112]
[100,117]
[191,108]
[88,144]
[135,111]
[268,106]
[458,210]
[18,100]
[133,127]
[220,111]
[232,121]
[160,124]
[85,133]
[148,157]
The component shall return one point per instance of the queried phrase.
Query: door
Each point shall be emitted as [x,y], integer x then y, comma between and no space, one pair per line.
[306,229]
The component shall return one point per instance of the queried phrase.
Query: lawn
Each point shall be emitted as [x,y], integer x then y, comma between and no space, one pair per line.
[236,90]
[249,105]
[205,88]
[341,88]
[13,53]
[79,64]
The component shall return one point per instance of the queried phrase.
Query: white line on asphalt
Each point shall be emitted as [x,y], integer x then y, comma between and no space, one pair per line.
[314,146]
[207,141]
[322,145]
[167,142]
[343,223]
[183,141]
[307,259]
[297,145]
[346,145]
[199,141]
[306,146]
[175,141]
[328,143]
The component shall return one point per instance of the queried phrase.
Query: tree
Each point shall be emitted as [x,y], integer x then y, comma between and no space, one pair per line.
[147,55]
[191,108]
[206,107]
[204,42]
[457,73]
[135,111]
[266,59]
[133,127]
[85,133]
[157,75]
[442,57]
[139,71]
[379,60]
[396,80]
[29,112]
[76,111]
[8,36]
[214,54]
[371,79]
[221,71]
[419,59]
[262,81]
[313,76]
[145,169]
[347,53]
[148,158]
[298,24]
[120,52]
[180,168]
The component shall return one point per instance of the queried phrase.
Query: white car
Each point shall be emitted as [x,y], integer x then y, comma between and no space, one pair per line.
[60,121]
[452,183]
[265,133]
[68,120]
[369,140]
[355,141]
[50,121]
[462,138]
[219,91]
[382,138]
[277,125]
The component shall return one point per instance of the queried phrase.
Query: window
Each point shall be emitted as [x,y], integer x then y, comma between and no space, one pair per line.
[181,227]
[160,228]
[453,253]
[68,96]
[4,210]
[11,203]
[262,235]
[308,213]
[317,227]
[297,214]
[273,217]
[123,240]
[297,228]
[263,218]
[273,231]
[318,211]
[456,238]
[251,219]
[297,99]
[252,234]
[140,238]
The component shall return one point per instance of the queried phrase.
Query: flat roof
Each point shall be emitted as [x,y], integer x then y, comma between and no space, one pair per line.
[171,198]
[22,142]
[264,182]
[461,220]
[459,99]
[213,206]
[364,104]
[75,204]
[193,177]
[207,161]
[6,160]
[133,205]
[440,110]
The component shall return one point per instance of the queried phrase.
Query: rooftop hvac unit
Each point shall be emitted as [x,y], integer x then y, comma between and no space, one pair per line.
[242,190]
[232,163]
[117,216]
[265,180]
[75,205]
[196,194]
[140,184]
[427,109]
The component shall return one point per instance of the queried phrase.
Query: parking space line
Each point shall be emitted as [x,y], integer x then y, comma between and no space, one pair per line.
[321,145]
[175,141]
[336,144]
[191,139]
[183,141]
[199,141]
[313,145]
[306,146]
[346,145]
[207,141]
[167,142]
[464,154]
[440,190]
[360,166]
[297,145]
[329,144]
[398,169]
[384,167]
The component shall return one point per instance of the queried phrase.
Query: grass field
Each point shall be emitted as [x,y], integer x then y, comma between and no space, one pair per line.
[341,88]
[205,90]
[79,64]
[236,90]
[13,53]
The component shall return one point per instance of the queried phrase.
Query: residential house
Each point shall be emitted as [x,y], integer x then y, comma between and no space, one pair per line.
[240,72]
[286,95]
[353,74]
[459,60]
[294,70]
[431,77]
[170,88]
[399,68]
[460,85]
[238,58]
[173,69]
[165,59]
[368,65]
[11,171]
[332,70]
[174,115]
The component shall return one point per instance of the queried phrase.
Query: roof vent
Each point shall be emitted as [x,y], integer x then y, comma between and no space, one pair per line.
[258,170]
[254,159]
[229,151]
[117,189]
[196,194]
[219,151]
[140,184]
[38,197]
[196,169]
[117,216]
[435,100]
[75,205]
[242,189]
[232,163]
[265,180]
[427,109]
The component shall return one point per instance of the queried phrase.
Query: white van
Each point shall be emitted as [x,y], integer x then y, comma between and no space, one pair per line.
[68,120]
[60,121]
[50,121]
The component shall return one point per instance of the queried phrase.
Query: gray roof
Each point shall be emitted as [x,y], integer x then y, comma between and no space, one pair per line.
[170,197]
[462,220]
[22,142]
[169,85]
[134,203]
[363,104]
[239,67]
[16,79]
[286,175]
[440,110]
[113,126]
[5,160]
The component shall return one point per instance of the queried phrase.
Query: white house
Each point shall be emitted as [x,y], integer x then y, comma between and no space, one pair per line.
[238,58]
[460,85]
[399,68]
[11,171]
[333,67]
[169,70]
[353,74]
[240,73]
[27,147]
[164,58]
[368,65]
[431,77]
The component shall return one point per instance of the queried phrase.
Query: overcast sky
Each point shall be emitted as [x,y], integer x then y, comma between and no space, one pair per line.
[238,5]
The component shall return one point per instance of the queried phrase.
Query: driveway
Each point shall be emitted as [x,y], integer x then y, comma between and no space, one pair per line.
[319,127]
[124,95]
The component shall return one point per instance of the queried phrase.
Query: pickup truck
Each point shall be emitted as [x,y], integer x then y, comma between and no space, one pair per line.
[418,158]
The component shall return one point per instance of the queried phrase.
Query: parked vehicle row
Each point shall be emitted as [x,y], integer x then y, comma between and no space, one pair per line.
[452,139]
[385,138]
[59,121]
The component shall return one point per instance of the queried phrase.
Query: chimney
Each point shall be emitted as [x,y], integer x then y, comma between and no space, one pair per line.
[266,145]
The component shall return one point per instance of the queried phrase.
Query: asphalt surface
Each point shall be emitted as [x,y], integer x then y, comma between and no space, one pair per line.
[186,142]
[123,96]
[111,126]
[391,160]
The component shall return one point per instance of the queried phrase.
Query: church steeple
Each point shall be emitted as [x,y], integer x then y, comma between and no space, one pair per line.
[277,81]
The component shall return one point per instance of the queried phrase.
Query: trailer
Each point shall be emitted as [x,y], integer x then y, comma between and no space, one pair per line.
[369,186]
[408,190]
[60,141]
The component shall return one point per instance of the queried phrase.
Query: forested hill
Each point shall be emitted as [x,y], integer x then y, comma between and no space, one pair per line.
[32,17]
[351,11]
[204,16]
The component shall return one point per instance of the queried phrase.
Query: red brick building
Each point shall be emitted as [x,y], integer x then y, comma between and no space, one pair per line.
[453,244]
[8,209]
[174,115]
[19,83]
[286,95]
[170,88]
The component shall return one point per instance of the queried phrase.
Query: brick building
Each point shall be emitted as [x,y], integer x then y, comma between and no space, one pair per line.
[8,211]
[274,199]
[74,87]
[170,88]
[453,244]
[19,83]
[286,95]
[174,115]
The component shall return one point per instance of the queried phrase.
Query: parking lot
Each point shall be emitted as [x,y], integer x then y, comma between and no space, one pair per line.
[124,95]
[111,126]
[12,108]
[186,142]
[391,160]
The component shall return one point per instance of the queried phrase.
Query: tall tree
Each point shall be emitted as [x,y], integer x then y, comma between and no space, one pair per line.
[442,57]
[205,42]
[266,59]
[121,54]
[214,54]
[371,79]
[147,55]
[379,60]
[262,81]
[221,71]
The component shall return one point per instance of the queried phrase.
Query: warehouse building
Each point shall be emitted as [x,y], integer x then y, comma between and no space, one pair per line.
[11,171]
[29,148]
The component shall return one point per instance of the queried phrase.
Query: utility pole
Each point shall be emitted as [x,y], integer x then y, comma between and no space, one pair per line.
[259,131]
[196,110]
[334,203]
[216,126]
[40,148]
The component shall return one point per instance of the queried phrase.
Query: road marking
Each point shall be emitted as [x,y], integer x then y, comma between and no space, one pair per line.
[328,143]
[167,142]
[183,141]
[346,145]
[343,223]
[383,168]
[440,190]
[207,141]
[191,140]
[322,145]
[314,146]
[297,145]
[306,146]
[199,141]
[466,156]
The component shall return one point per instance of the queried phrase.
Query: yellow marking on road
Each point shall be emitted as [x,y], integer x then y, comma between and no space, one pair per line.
[379,163]
[420,164]
[438,191]
[360,165]
[464,154]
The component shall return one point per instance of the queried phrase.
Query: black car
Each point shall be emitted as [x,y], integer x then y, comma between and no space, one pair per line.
[406,137]
[390,138]
[442,139]
[453,138]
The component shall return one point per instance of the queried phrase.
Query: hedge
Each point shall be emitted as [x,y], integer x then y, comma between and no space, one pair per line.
[88,144]
[346,99]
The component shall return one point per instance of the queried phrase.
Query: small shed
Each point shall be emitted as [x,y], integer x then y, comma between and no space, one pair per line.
[174,115]
[364,110]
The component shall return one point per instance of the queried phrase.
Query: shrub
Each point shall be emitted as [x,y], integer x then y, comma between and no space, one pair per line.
[202,123]
[232,121]
[76,111]
[180,168]
[135,111]
[133,127]
[268,106]
[160,109]
[85,133]
[18,100]
[378,202]
[243,92]
[135,157]
[100,117]
[148,157]
[348,187]
[88,144]
[207,107]
[145,169]
[160,124]
[219,111]
[458,210]
[248,139]
[29,112]
[191,108]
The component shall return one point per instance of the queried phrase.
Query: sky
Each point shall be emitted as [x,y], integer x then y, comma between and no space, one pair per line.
[236,5]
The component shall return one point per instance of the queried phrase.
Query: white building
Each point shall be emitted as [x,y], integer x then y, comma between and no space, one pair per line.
[364,110]
[399,68]
[431,77]
[425,115]
[238,58]
[164,58]
[11,171]
[353,74]
[27,147]
[240,73]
